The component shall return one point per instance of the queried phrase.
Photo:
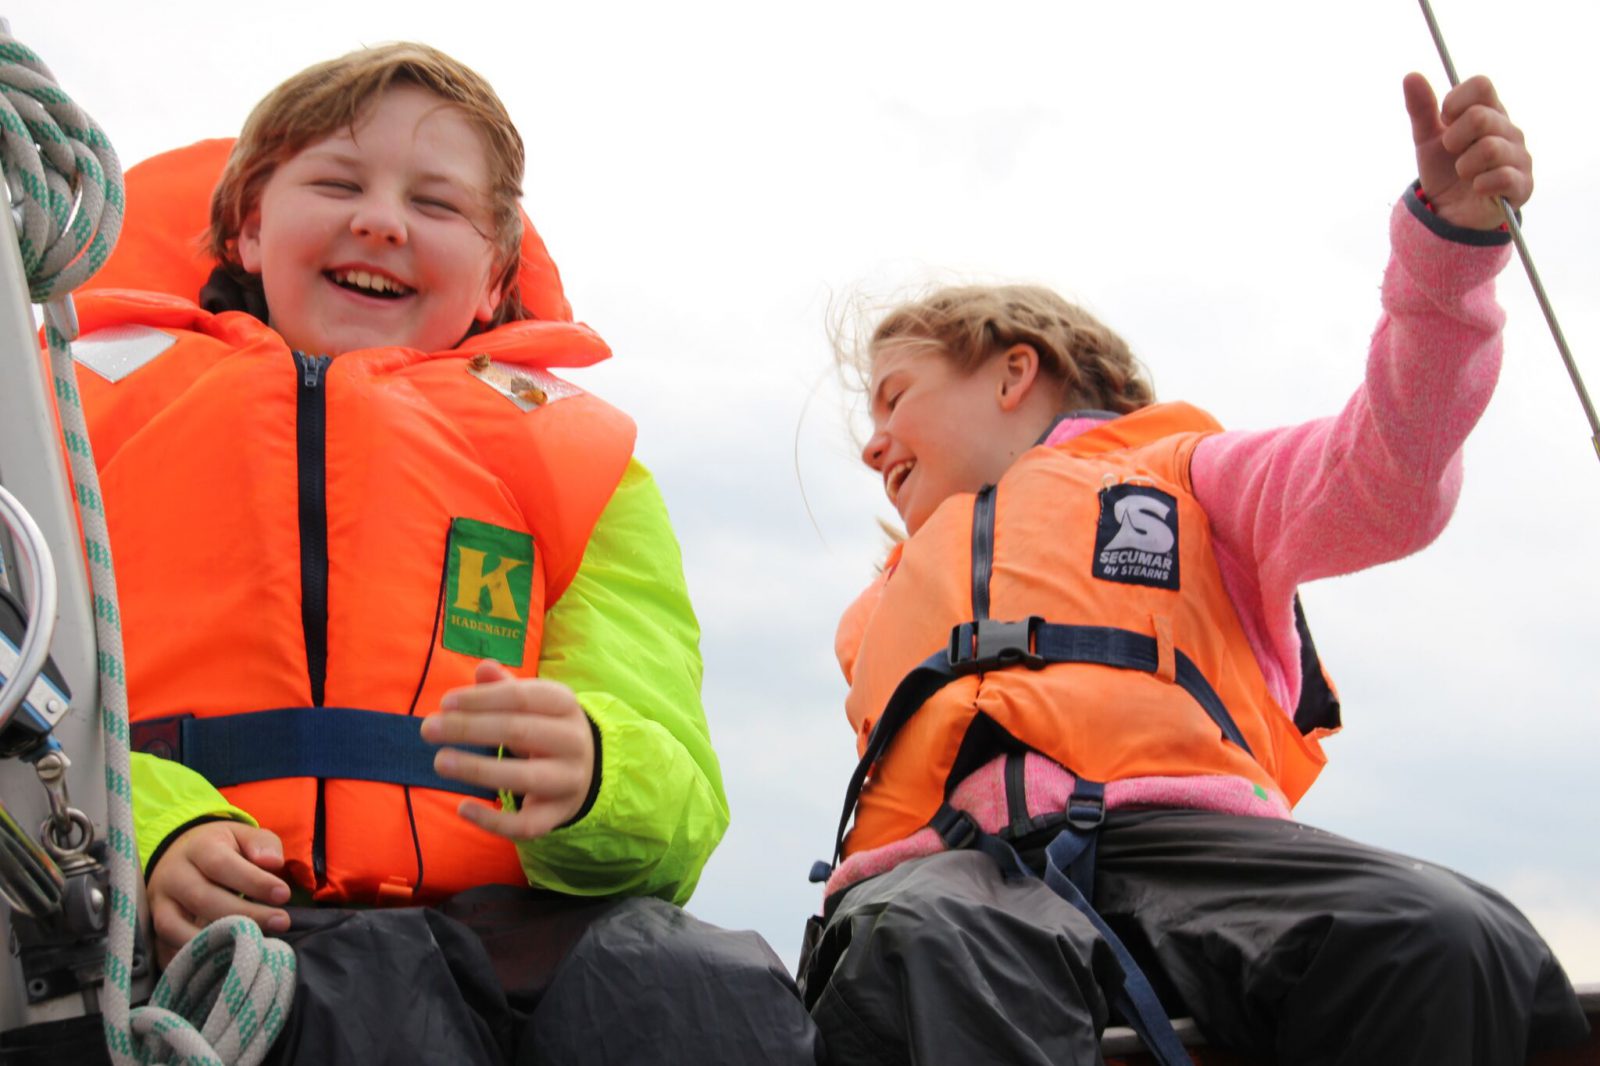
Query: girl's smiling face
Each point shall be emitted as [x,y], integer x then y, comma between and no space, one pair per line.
[374,236]
[938,431]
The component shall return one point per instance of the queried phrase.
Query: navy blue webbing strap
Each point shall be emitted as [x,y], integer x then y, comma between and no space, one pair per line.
[1072,849]
[1133,651]
[1086,810]
[986,645]
[983,509]
[1137,999]
[933,674]
[322,742]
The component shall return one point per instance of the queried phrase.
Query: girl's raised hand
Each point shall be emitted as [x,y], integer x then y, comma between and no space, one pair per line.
[548,750]
[1469,153]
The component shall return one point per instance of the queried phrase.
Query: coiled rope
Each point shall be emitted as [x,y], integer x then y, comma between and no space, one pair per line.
[225,997]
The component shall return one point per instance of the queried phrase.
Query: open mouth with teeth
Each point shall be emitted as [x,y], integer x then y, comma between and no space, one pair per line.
[895,477]
[369,284]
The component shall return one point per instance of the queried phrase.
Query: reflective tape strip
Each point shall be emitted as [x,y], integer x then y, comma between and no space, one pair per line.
[117,351]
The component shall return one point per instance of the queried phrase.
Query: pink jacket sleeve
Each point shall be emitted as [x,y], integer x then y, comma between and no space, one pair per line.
[1379,480]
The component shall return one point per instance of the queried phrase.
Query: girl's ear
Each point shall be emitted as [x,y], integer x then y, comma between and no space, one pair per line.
[1019,373]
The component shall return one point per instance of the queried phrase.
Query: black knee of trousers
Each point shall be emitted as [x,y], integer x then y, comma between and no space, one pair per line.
[650,983]
[1422,966]
[942,961]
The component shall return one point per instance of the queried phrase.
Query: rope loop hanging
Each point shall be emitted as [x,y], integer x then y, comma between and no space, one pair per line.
[226,996]
[64,177]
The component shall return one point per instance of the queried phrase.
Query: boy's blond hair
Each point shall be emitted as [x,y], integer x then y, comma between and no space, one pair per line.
[333,96]
[969,325]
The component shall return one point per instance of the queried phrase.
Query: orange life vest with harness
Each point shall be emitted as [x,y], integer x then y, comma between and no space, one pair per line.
[310,552]
[1075,609]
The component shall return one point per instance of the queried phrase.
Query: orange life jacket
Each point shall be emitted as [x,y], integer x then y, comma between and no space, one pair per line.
[294,538]
[1101,542]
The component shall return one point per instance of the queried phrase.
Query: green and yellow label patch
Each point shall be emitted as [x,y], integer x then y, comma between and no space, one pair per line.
[488,587]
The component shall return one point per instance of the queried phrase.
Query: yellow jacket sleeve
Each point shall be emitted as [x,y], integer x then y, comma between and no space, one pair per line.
[624,638]
[167,797]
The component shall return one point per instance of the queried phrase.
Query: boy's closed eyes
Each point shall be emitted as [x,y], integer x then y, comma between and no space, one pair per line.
[370,237]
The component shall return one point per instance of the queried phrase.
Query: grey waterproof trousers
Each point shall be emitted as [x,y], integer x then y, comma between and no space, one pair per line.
[504,976]
[1282,941]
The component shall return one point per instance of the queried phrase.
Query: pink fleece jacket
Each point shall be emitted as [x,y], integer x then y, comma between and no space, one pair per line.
[1380,479]
[1373,483]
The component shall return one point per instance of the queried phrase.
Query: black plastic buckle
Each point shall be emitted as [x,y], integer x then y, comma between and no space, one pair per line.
[987,644]
[956,828]
[161,737]
[1085,812]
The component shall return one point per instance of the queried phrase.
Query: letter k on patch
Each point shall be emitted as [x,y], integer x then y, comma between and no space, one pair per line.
[488,586]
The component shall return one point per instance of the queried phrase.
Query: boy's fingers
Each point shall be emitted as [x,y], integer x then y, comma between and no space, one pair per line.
[523,695]
[239,875]
[197,902]
[531,820]
[1423,107]
[467,727]
[523,777]
[210,902]
[480,770]
[260,846]
[174,928]
[489,671]
[521,733]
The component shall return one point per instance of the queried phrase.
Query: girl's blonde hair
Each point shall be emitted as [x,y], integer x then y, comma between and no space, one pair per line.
[969,325]
[333,96]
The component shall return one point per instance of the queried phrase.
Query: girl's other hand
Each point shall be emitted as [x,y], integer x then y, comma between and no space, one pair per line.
[211,871]
[547,757]
[1469,153]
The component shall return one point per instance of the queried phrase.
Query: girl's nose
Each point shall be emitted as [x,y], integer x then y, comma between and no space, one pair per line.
[876,446]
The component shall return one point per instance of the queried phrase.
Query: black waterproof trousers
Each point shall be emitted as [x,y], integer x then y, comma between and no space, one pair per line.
[1282,941]
[501,975]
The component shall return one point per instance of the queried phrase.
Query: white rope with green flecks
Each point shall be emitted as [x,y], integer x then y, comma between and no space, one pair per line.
[225,997]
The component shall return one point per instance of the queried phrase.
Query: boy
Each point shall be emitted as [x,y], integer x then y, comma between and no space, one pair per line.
[349,493]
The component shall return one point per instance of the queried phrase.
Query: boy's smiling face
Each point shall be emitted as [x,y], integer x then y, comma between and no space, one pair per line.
[374,236]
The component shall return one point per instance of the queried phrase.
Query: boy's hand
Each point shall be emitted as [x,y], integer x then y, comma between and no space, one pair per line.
[1469,154]
[548,757]
[209,872]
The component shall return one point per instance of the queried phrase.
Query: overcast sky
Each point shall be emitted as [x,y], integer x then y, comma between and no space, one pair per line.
[1212,179]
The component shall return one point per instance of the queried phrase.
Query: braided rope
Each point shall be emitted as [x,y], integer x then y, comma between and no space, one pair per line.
[68,183]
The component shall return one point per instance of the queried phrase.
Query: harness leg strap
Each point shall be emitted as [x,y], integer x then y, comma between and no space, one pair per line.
[1073,849]
[1137,998]
[1086,811]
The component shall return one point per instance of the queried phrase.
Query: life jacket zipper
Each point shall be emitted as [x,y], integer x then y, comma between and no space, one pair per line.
[311,451]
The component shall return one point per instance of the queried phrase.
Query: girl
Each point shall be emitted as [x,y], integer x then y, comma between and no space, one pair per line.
[1124,692]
